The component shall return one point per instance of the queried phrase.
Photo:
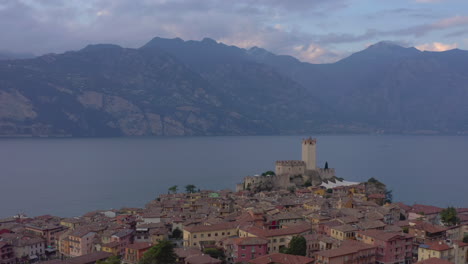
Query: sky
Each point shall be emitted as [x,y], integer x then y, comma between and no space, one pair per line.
[316,31]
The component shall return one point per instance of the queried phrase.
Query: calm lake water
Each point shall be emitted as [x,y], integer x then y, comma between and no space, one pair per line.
[69,177]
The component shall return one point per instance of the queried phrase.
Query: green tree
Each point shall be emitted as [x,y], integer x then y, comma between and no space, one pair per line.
[266,173]
[190,188]
[329,190]
[449,216]
[297,246]
[389,196]
[405,229]
[110,260]
[326,165]
[173,189]
[308,183]
[465,239]
[177,233]
[215,253]
[162,253]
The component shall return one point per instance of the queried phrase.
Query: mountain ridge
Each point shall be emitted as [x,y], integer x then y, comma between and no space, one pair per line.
[172,87]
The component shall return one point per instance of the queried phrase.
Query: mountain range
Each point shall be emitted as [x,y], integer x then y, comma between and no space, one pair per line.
[172,87]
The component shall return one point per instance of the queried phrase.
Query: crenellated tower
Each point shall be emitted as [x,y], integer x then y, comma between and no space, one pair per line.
[309,155]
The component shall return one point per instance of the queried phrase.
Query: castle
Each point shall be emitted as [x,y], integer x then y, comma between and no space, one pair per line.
[291,173]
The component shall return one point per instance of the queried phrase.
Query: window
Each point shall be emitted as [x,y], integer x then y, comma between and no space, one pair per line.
[209,235]
[216,234]
[243,247]
[194,236]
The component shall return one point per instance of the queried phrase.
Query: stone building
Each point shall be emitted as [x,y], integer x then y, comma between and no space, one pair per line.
[291,172]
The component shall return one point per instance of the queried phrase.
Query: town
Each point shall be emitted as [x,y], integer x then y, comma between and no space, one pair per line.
[298,214]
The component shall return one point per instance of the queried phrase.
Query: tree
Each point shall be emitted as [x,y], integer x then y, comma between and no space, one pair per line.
[329,190]
[215,253]
[297,246]
[110,260]
[326,165]
[173,189]
[190,188]
[162,253]
[176,233]
[449,216]
[389,196]
[405,229]
[308,183]
[268,173]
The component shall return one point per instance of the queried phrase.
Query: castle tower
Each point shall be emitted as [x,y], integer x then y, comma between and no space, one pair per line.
[309,153]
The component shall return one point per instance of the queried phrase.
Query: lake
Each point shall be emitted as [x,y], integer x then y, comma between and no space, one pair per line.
[69,177]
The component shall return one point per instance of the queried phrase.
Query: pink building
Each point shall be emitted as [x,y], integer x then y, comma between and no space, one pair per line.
[392,247]
[81,242]
[124,238]
[247,248]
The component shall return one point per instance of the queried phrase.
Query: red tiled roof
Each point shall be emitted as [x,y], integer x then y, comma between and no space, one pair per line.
[89,258]
[347,247]
[293,230]
[139,246]
[247,241]
[434,261]
[429,227]
[426,209]
[201,259]
[384,235]
[437,246]
[215,227]
[281,259]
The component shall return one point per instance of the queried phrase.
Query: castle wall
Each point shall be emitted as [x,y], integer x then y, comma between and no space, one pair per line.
[290,169]
[326,173]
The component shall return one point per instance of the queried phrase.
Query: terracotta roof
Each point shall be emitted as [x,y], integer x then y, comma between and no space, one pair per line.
[281,259]
[347,247]
[247,241]
[429,227]
[426,209]
[293,230]
[208,228]
[139,246]
[437,246]
[185,252]
[111,244]
[89,258]
[384,235]
[434,261]
[201,259]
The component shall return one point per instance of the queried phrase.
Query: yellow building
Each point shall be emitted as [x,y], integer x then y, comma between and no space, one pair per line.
[277,238]
[455,252]
[343,232]
[194,236]
[112,247]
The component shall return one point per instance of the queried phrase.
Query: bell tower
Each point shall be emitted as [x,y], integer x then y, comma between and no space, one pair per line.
[309,153]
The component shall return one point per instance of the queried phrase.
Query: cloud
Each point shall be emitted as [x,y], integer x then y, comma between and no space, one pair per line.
[429,1]
[283,27]
[437,46]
